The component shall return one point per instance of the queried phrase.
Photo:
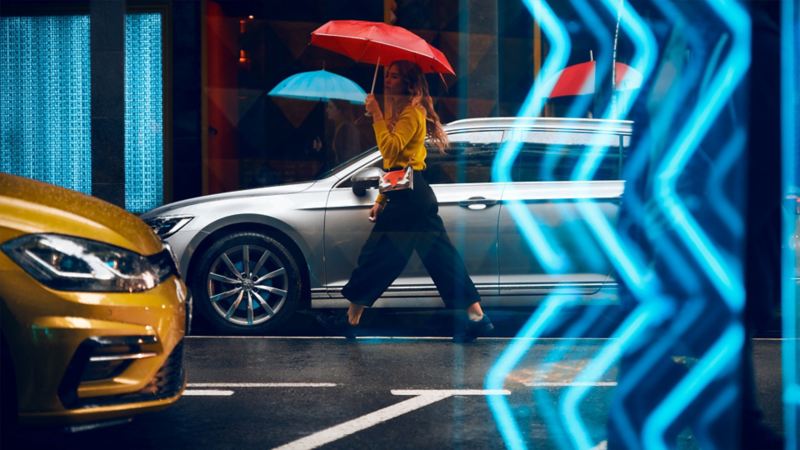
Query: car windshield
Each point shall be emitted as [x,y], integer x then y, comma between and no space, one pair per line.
[342,165]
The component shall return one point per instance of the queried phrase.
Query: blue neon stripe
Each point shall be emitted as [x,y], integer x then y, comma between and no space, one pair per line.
[657,131]
[629,269]
[719,359]
[725,163]
[721,404]
[724,351]
[545,248]
[657,353]
[730,74]
[643,62]
[628,332]
[791,183]
[543,400]
[576,109]
[550,257]
[496,377]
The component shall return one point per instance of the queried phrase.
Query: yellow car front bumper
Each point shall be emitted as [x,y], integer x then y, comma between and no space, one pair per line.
[88,357]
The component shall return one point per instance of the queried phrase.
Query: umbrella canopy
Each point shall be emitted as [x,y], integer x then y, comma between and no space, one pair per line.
[378,42]
[579,79]
[319,85]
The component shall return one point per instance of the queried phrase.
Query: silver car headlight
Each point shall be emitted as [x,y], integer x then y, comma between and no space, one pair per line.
[165,226]
[70,263]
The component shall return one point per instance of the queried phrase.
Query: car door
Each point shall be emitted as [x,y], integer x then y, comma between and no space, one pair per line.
[346,228]
[542,182]
[467,204]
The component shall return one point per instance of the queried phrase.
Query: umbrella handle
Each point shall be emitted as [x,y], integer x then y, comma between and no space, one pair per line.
[375,76]
[444,83]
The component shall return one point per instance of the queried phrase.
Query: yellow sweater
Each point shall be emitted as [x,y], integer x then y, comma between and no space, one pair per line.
[405,144]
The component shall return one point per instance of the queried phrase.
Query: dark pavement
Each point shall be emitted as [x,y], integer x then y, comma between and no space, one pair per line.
[266,392]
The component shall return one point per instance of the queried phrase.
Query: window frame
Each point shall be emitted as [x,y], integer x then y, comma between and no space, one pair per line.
[618,151]
[473,131]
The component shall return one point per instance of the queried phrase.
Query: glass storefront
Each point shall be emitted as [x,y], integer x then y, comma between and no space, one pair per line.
[250,46]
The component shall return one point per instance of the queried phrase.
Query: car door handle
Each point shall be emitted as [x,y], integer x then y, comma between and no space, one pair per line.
[477,203]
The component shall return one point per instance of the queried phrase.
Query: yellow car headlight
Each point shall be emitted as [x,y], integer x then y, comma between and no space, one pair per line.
[70,263]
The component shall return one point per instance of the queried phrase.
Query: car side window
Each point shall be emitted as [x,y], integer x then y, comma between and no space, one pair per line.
[468,158]
[556,156]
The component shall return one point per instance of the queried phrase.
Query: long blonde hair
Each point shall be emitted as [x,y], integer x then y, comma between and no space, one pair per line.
[417,93]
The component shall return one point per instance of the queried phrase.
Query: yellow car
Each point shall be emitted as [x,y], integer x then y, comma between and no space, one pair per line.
[92,311]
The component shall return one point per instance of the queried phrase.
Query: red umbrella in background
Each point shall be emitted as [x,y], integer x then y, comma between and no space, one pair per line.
[379,43]
[579,79]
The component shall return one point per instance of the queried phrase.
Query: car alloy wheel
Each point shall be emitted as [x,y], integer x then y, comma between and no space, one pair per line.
[248,284]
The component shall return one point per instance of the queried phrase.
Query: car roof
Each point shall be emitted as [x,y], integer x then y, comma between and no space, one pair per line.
[543,123]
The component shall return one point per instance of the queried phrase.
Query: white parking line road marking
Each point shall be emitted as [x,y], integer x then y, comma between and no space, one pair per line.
[226,392]
[206,393]
[347,428]
[570,384]
[451,392]
[421,399]
[258,385]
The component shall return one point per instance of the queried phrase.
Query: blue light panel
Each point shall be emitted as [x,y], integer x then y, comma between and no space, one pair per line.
[790,52]
[45,103]
[144,133]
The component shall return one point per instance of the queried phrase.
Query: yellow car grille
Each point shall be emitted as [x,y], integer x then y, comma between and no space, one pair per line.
[166,383]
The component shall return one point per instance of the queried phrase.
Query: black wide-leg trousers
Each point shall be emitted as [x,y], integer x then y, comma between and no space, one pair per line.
[410,222]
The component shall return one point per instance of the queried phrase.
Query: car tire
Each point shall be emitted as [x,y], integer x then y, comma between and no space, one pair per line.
[247,283]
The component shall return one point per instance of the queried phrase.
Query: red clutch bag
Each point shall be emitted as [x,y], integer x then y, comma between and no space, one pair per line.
[397,180]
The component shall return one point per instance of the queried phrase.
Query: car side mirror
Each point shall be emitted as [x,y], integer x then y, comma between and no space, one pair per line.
[366,178]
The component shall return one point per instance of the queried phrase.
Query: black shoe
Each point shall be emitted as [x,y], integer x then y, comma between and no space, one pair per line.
[471,329]
[337,324]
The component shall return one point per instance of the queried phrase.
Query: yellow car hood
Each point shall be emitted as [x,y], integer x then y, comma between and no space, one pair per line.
[28,206]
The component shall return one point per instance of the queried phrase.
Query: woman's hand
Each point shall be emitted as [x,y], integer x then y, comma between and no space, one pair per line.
[373,108]
[377,208]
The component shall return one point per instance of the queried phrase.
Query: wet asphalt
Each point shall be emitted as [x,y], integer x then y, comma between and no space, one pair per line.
[404,385]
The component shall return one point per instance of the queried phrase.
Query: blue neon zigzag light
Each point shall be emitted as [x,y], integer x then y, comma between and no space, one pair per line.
[538,243]
[592,319]
[512,355]
[724,352]
[672,409]
[728,156]
[541,317]
[675,409]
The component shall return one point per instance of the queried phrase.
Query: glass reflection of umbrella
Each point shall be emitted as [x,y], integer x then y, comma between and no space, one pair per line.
[319,85]
[579,79]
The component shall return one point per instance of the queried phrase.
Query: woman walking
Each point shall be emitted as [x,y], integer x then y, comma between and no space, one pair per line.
[408,220]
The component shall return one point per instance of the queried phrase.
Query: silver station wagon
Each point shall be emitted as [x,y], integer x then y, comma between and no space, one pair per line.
[254,257]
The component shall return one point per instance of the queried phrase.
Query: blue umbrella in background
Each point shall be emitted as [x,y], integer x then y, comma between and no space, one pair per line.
[319,85]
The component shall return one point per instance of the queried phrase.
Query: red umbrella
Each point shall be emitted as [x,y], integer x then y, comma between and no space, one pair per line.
[579,79]
[378,42]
